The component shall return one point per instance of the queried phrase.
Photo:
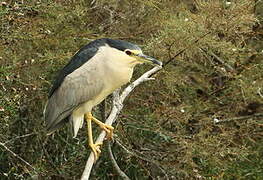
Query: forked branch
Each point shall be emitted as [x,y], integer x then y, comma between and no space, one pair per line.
[118,100]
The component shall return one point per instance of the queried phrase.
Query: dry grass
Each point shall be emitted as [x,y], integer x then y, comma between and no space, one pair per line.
[169,122]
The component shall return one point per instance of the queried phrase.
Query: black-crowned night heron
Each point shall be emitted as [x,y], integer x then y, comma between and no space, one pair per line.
[93,73]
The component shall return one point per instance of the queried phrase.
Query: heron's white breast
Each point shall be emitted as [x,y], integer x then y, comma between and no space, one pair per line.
[112,68]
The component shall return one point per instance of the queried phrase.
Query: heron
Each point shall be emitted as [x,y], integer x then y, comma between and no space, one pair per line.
[93,73]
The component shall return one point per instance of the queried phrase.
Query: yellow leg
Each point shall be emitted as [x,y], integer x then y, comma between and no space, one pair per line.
[107,128]
[94,147]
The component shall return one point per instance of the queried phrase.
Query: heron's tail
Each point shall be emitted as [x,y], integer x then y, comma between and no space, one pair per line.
[76,123]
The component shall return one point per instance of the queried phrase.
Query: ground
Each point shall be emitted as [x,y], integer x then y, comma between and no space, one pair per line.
[200,119]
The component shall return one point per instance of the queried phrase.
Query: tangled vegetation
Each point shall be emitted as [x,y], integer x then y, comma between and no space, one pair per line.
[200,119]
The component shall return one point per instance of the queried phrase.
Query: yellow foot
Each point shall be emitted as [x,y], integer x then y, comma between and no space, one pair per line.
[96,150]
[108,129]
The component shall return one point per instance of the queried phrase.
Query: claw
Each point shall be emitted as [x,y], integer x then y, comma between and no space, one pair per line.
[109,130]
[96,150]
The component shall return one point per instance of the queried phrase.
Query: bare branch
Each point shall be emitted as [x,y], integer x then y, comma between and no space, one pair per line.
[141,157]
[118,103]
[115,165]
[18,137]
[116,109]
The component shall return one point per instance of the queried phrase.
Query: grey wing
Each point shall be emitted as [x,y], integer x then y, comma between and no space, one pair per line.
[75,90]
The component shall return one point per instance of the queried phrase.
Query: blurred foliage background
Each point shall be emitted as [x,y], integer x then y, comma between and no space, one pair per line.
[200,119]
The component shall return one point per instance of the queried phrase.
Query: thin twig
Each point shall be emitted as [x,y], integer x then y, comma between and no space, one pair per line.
[17,156]
[18,137]
[230,68]
[43,144]
[259,92]
[115,165]
[181,51]
[103,109]
[141,157]
[239,118]
[99,162]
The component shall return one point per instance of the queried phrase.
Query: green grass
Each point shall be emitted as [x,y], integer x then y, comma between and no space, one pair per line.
[168,121]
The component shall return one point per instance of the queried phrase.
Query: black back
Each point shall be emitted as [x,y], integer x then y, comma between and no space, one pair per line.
[85,54]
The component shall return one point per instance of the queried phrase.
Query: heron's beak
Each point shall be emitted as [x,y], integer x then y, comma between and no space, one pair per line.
[148,59]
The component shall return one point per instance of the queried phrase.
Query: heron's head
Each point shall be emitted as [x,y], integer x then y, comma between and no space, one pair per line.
[129,53]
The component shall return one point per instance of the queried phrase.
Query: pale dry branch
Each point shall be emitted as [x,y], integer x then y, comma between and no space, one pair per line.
[116,109]
[115,165]
[118,103]
[142,158]
[259,92]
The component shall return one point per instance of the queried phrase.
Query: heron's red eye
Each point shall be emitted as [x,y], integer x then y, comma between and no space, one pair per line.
[128,52]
